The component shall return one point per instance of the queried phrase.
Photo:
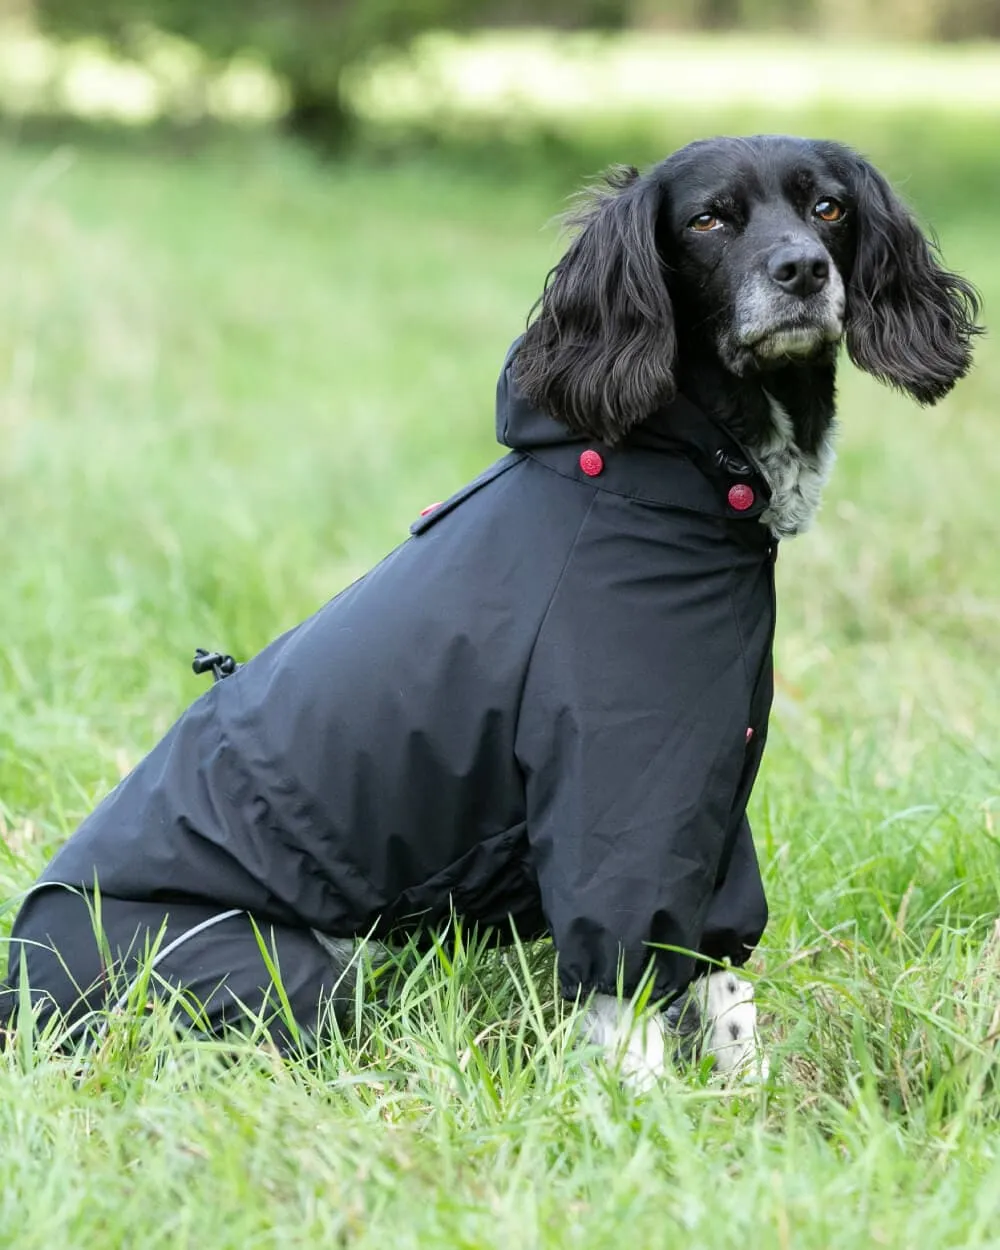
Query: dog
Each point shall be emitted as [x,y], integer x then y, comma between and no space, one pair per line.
[732,273]
[545,711]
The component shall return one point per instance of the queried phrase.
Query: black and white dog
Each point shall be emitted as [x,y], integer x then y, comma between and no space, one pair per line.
[547,708]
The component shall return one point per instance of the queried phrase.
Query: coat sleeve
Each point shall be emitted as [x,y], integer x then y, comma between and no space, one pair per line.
[633,742]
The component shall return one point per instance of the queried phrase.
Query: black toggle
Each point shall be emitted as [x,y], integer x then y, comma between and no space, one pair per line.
[219,664]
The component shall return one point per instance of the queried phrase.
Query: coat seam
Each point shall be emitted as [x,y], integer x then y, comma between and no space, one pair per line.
[733,575]
[544,617]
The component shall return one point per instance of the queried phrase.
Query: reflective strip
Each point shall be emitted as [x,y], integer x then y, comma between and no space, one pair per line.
[169,949]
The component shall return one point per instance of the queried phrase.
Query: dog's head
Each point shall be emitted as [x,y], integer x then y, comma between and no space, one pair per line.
[770,250]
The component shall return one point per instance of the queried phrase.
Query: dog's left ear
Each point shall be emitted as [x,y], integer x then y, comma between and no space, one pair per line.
[599,355]
[910,322]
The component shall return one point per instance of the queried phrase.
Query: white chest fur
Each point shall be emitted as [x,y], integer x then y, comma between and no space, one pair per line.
[796,478]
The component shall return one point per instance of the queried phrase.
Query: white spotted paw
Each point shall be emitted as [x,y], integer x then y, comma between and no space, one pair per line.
[729,1022]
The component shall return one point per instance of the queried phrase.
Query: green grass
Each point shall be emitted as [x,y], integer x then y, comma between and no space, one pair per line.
[227,383]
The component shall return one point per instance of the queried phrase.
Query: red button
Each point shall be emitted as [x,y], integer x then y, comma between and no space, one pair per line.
[592,463]
[740,497]
[430,508]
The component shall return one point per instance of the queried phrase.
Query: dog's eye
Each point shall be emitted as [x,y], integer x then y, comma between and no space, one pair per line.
[705,222]
[828,210]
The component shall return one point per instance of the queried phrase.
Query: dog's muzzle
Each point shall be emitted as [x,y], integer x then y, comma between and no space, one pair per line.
[779,321]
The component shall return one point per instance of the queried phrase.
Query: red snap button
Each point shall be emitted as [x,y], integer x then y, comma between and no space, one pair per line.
[430,508]
[592,463]
[749,733]
[740,497]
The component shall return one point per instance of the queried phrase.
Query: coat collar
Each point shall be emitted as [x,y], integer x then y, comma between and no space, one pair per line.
[653,465]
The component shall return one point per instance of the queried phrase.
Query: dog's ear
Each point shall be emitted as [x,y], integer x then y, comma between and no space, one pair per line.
[599,355]
[910,322]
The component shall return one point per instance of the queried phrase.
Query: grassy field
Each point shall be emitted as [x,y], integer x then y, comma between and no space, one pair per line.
[228,381]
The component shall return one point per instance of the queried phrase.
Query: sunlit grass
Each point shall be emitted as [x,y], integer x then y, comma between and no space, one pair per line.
[227,384]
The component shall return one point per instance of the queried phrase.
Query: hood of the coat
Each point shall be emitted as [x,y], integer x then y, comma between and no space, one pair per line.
[679,428]
[521,426]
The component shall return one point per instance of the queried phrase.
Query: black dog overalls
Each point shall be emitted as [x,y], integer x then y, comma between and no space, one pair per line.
[546,709]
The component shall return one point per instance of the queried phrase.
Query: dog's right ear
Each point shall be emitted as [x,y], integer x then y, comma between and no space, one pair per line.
[910,321]
[599,356]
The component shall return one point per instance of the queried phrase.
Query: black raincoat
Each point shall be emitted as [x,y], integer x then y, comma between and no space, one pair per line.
[545,709]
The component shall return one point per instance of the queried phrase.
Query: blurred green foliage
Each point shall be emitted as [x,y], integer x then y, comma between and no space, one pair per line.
[899,19]
[310,44]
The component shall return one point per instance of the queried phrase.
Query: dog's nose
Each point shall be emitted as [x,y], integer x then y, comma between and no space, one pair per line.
[799,270]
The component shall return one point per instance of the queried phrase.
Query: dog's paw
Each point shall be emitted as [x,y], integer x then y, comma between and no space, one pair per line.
[635,1043]
[716,1016]
[729,1021]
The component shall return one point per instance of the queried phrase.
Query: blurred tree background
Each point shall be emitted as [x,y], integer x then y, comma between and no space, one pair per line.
[311,45]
